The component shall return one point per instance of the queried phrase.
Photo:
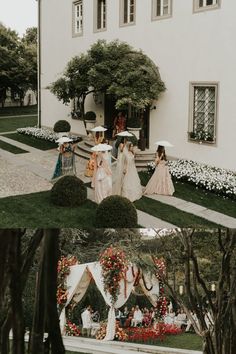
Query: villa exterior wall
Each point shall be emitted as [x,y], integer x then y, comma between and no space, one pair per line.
[187,47]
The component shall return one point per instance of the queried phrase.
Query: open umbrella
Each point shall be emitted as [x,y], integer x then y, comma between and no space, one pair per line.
[164,143]
[101,147]
[124,134]
[98,129]
[63,139]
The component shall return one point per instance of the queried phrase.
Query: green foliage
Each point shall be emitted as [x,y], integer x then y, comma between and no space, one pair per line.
[116,211]
[90,115]
[61,126]
[18,63]
[113,68]
[133,140]
[69,191]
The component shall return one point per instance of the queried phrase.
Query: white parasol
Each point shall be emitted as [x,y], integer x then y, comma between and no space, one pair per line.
[124,134]
[101,147]
[98,129]
[64,139]
[164,143]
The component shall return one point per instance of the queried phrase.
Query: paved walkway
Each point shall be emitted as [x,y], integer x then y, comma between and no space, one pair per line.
[33,171]
[87,345]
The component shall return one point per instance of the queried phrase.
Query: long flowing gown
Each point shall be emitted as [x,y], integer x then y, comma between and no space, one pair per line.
[119,171]
[102,178]
[65,163]
[131,187]
[160,182]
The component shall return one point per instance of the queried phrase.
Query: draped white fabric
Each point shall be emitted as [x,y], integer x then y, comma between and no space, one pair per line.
[77,283]
[151,290]
[79,280]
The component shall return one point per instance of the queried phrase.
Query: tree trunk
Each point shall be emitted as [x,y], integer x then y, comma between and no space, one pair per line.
[51,261]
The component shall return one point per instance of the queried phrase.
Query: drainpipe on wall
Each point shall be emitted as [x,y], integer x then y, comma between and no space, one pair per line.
[39,63]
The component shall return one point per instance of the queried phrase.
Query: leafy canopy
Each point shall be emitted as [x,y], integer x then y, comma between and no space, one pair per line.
[113,68]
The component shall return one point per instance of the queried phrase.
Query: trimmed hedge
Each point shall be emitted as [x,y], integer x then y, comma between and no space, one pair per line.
[116,212]
[90,115]
[133,140]
[69,191]
[61,126]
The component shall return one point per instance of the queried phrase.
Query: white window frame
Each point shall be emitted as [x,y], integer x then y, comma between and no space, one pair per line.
[103,14]
[194,85]
[162,15]
[76,18]
[129,22]
[196,8]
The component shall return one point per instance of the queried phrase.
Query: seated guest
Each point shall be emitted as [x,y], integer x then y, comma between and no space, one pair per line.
[137,318]
[181,319]
[124,316]
[147,319]
[86,321]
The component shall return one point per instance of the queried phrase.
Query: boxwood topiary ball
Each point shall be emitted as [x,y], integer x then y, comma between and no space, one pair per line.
[68,191]
[61,126]
[116,212]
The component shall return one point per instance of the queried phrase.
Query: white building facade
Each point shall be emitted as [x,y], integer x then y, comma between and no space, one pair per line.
[191,41]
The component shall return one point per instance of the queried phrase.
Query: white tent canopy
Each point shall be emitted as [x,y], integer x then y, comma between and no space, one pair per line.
[79,279]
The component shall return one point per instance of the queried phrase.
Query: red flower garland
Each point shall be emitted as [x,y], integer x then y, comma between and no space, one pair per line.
[72,329]
[160,274]
[63,270]
[114,266]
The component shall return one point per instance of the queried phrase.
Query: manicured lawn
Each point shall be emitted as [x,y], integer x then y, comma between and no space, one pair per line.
[14,111]
[190,193]
[171,214]
[31,141]
[11,124]
[36,210]
[11,148]
[184,341]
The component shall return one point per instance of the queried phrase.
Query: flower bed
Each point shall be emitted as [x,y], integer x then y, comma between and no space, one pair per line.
[120,334]
[44,134]
[217,180]
[152,334]
[72,329]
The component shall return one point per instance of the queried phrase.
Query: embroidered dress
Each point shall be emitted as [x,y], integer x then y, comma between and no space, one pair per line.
[131,187]
[160,182]
[65,163]
[102,178]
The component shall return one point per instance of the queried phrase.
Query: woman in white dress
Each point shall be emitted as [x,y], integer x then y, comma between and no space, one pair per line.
[131,187]
[119,168]
[160,182]
[102,177]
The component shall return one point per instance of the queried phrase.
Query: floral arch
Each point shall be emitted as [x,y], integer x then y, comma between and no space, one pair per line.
[80,276]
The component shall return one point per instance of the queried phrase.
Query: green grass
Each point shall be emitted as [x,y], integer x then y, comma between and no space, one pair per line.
[190,193]
[32,141]
[11,124]
[183,341]
[15,111]
[171,214]
[36,210]
[11,148]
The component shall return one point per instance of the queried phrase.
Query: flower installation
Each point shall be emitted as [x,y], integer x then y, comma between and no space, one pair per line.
[214,179]
[120,334]
[114,266]
[44,134]
[160,273]
[63,270]
[71,329]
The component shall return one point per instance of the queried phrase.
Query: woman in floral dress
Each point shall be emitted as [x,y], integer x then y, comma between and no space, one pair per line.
[66,161]
[160,182]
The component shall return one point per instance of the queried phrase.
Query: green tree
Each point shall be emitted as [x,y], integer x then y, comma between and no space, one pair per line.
[113,68]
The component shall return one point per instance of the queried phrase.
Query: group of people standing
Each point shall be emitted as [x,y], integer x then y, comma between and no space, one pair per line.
[126,181]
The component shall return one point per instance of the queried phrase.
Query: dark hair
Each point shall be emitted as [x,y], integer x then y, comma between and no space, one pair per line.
[161,151]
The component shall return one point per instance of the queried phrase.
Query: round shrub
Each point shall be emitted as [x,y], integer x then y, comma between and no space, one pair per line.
[116,212]
[69,191]
[61,126]
[90,115]
[133,140]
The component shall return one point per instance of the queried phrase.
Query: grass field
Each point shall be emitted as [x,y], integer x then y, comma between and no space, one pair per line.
[11,124]
[36,210]
[190,193]
[11,148]
[31,141]
[14,111]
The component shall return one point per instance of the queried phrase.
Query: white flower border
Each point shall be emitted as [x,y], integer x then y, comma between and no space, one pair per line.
[214,179]
[43,133]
